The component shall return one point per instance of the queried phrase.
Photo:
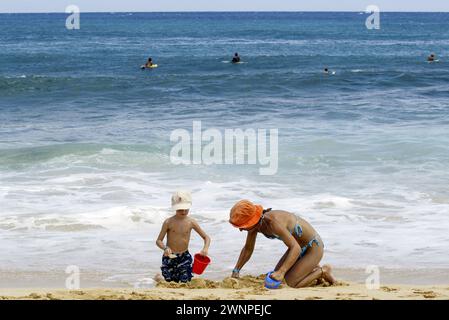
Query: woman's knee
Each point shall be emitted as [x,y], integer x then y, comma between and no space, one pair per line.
[303,267]
[291,281]
[291,284]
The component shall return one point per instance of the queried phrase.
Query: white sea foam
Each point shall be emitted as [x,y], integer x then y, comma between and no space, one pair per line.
[354,229]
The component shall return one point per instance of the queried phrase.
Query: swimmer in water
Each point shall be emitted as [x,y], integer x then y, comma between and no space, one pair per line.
[431,58]
[236,58]
[326,71]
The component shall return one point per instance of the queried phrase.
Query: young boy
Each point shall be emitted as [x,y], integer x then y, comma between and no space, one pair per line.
[177,261]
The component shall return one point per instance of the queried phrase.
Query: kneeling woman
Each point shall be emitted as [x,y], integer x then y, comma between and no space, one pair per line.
[299,266]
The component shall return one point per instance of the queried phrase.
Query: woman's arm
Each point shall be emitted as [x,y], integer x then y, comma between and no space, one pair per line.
[246,252]
[292,254]
[203,235]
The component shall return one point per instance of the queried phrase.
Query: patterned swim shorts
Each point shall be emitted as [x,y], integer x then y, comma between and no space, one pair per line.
[178,269]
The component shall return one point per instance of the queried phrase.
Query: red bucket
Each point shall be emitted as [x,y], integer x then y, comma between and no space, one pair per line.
[200,263]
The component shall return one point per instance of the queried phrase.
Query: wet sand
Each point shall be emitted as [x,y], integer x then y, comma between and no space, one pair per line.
[246,288]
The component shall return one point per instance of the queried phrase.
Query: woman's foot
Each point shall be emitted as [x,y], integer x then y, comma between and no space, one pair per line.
[327,274]
[319,280]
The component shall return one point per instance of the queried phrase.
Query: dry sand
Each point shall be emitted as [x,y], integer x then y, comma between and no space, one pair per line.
[246,288]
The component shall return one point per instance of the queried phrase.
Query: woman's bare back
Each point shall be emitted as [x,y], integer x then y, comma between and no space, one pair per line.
[289,220]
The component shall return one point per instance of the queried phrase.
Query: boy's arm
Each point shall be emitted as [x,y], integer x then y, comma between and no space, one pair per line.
[203,235]
[246,252]
[160,238]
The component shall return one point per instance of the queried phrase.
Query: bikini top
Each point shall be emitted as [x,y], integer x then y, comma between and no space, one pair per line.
[296,230]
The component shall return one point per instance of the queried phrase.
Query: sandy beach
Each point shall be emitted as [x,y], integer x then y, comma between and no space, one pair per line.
[246,288]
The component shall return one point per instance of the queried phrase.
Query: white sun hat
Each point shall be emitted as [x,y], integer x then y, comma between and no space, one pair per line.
[181,200]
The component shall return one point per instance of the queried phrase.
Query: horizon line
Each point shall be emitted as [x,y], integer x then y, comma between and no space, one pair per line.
[226,11]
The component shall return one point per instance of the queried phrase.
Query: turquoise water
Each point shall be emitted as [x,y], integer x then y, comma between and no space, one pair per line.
[85,173]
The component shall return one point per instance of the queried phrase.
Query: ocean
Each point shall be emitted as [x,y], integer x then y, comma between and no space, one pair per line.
[85,170]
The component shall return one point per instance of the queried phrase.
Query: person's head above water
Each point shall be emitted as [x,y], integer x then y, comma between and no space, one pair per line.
[150,59]
[245,215]
[326,70]
[236,54]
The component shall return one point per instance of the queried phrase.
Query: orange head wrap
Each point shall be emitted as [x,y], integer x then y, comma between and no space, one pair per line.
[244,214]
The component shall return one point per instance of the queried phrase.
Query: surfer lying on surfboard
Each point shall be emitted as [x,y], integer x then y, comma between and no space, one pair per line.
[327,71]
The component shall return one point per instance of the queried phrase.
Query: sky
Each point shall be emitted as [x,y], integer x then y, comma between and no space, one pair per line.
[11,6]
